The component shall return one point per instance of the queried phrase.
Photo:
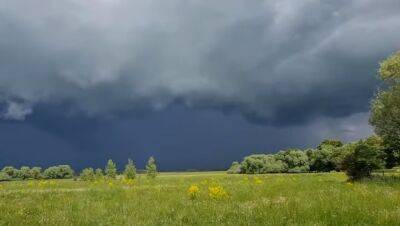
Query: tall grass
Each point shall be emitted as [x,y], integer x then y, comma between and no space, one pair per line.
[280,199]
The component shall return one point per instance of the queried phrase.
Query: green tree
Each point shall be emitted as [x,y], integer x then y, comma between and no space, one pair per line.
[260,163]
[151,168]
[4,176]
[130,170]
[10,171]
[36,172]
[363,160]
[235,168]
[87,174]
[59,172]
[297,160]
[385,109]
[99,173]
[111,169]
[328,142]
[25,172]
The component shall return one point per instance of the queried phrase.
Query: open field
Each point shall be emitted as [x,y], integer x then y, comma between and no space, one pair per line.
[285,199]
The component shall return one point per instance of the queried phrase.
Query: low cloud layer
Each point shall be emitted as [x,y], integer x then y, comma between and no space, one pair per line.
[275,62]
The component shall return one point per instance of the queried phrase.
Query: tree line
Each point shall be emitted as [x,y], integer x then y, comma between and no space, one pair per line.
[66,172]
[330,155]
[358,159]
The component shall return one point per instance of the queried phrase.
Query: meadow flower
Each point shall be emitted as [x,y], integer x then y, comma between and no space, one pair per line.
[193,191]
[217,192]
[52,183]
[30,183]
[349,184]
[110,184]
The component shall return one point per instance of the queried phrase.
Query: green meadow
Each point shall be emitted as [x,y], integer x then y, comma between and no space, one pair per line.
[208,198]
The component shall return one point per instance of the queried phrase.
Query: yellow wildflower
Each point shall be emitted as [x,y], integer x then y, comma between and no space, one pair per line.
[193,191]
[217,192]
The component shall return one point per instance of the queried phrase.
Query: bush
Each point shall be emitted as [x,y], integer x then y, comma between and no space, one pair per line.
[362,161]
[87,174]
[235,168]
[322,160]
[25,173]
[111,169]
[4,177]
[263,164]
[36,172]
[130,170]
[296,160]
[99,173]
[273,165]
[11,171]
[253,164]
[151,168]
[58,172]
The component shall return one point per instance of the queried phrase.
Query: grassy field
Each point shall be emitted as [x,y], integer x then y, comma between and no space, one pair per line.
[215,199]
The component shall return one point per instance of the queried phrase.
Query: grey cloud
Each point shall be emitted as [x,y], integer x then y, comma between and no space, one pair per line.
[275,62]
[16,111]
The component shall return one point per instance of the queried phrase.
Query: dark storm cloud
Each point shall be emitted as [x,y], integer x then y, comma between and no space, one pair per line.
[275,62]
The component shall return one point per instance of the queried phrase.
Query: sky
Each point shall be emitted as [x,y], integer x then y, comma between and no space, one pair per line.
[196,84]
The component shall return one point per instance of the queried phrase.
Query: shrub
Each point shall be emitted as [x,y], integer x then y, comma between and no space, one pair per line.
[362,161]
[322,159]
[58,172]
[130,170]
[25,173]
[36,172]
[273,165]
[99,173]
[4,177]
[87,174]
[151,168]
[235,168]
[296,160]
[253,164]
[263,164]
[111,169]
[10,171]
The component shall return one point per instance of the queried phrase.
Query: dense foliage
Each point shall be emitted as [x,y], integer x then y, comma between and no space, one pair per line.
[363,160]
[385,111]
[330,155]
[87,174]
[59,172]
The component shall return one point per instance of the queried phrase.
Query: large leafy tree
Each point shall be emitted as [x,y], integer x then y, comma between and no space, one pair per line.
[385,112]
[363,160]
